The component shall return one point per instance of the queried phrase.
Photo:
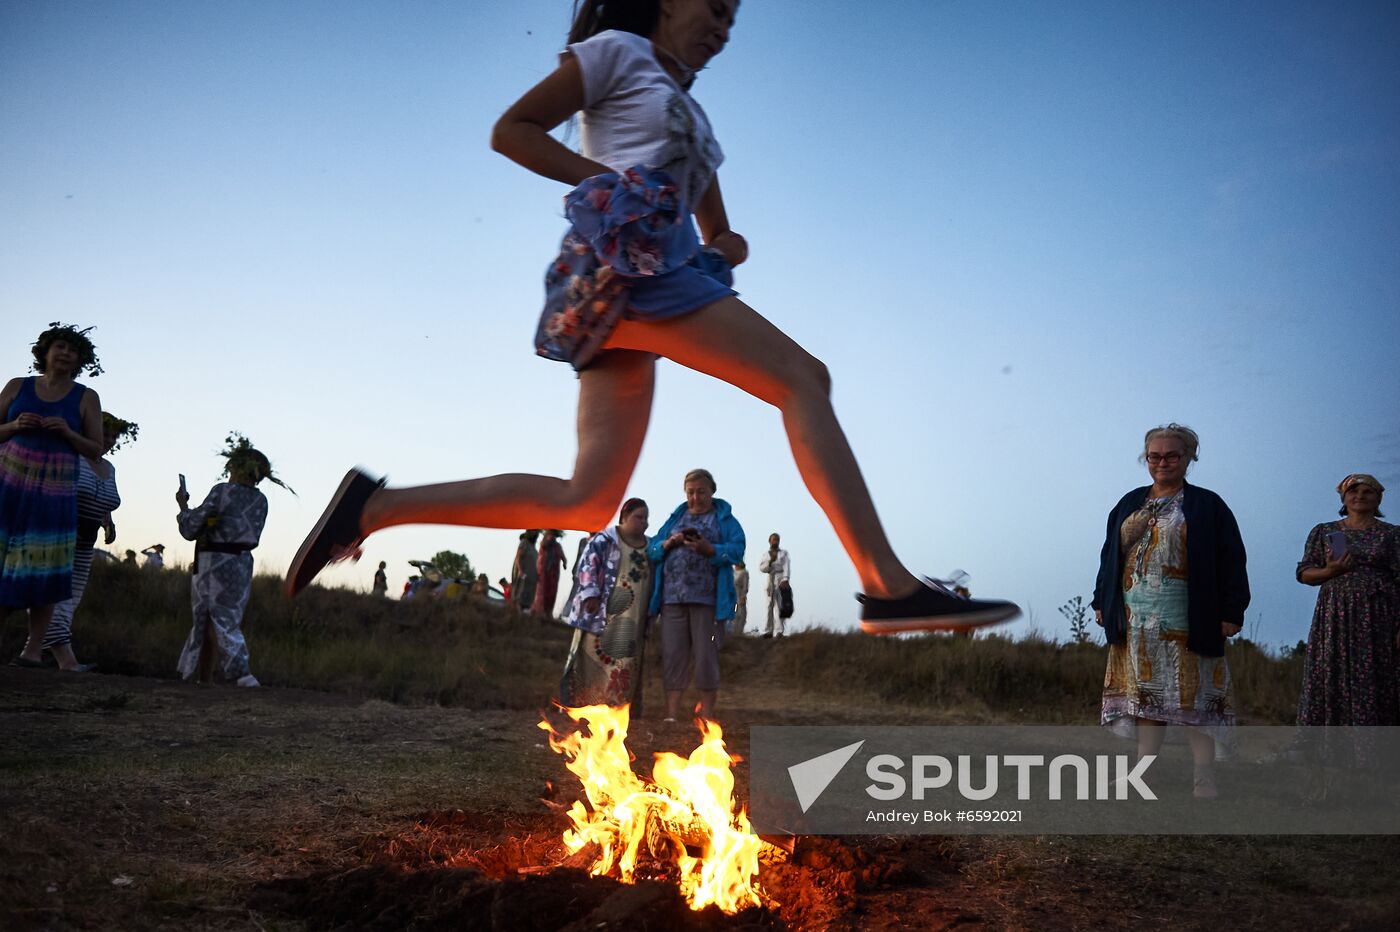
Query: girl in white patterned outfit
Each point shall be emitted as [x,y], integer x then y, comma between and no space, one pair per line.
[225,527]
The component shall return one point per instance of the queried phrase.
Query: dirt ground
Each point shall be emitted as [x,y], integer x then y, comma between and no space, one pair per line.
[129,803]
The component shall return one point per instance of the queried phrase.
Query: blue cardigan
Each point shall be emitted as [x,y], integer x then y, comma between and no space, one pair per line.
[1217,586]
[728,551]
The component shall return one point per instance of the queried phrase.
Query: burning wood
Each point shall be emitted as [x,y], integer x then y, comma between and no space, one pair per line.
[685,815]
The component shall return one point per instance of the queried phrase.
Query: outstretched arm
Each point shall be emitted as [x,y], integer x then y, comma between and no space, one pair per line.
[522,132]
[714,225]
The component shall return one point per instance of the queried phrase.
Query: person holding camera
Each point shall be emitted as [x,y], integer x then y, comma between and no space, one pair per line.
[693,591]
[1349,674]
[776,564]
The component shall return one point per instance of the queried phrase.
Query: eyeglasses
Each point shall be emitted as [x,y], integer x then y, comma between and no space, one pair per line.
[1165,459]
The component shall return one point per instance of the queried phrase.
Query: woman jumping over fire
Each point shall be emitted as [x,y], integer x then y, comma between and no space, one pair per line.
[631,283]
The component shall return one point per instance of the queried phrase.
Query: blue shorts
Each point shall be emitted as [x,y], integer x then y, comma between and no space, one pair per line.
[631,253]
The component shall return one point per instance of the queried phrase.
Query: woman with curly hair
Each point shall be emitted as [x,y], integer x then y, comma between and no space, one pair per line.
[225,528]
[97,499]
[49,421]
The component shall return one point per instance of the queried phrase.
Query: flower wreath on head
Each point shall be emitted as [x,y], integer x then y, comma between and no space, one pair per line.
[125,431]
[241,456]
[74,337]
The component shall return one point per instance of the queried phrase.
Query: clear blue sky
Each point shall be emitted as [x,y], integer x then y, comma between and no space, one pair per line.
[1019,234]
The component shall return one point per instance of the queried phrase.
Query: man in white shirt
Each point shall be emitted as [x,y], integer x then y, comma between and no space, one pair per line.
[775,564]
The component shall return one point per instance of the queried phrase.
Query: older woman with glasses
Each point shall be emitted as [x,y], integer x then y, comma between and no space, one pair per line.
[1349,674]
[1171,588]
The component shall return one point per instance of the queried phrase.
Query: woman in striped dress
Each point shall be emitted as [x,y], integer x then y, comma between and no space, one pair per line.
[49,421]
[97,499]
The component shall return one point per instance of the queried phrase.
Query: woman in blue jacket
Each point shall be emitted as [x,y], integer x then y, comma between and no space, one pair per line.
[693,591]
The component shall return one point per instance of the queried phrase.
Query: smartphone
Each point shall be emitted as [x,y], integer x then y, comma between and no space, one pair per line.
[690,533]
[1336,544]
[182,484]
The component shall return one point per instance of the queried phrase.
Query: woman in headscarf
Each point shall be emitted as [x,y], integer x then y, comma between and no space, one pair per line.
[1349,674]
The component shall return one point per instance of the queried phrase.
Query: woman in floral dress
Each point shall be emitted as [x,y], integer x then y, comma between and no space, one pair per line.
[608,613]
[1349,675]
[1171,588]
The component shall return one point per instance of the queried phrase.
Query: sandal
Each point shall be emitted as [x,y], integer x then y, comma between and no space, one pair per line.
[23,661]
[337,535]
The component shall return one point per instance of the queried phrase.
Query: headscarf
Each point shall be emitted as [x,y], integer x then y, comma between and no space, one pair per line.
[1359,478]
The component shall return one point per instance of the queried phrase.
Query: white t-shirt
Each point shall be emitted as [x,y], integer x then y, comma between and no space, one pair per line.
[634,113]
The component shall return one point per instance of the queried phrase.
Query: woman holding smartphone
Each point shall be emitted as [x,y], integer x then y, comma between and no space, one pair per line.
[1349,674]
[693,590]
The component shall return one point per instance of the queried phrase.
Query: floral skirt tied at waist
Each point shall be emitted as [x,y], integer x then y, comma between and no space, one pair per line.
[632,252]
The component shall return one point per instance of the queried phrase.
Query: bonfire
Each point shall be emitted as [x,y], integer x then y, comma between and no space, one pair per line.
[684,815]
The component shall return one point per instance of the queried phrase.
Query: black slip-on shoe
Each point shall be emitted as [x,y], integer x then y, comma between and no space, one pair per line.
[337,535]
[931,608]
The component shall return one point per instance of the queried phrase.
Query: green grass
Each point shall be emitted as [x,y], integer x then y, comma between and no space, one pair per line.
[472,654]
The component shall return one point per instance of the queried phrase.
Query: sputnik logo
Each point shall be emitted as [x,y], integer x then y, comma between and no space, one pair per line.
[811,777]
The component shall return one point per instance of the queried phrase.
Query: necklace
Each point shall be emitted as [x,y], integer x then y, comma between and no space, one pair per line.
[1155,506]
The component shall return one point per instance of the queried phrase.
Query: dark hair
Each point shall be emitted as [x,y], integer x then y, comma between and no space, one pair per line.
[631,505]
[70,334]
[594,16]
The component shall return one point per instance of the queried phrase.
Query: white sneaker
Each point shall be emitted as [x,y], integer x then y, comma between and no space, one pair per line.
[248,680]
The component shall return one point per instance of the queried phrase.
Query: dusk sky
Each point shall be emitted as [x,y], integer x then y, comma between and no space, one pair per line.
[1019,234]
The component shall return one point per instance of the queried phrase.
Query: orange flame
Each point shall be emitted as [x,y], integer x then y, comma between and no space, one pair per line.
[688,802]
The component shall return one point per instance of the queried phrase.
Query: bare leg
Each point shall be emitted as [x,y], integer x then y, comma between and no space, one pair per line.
[614,406]
[673,703]
[731,341]
[1203,765]
[39,618]
[1149,737]
[707,703]
[63,653]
